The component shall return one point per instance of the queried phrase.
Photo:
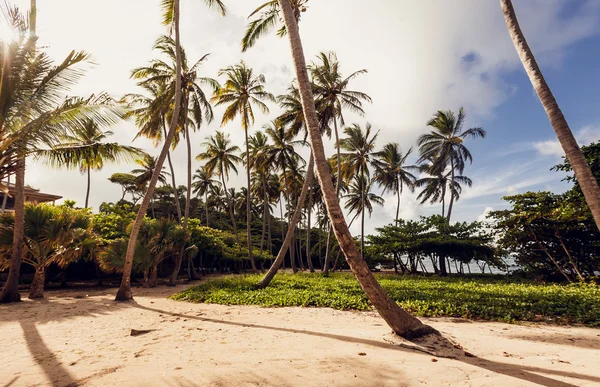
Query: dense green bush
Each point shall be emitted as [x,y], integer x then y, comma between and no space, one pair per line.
[492,298]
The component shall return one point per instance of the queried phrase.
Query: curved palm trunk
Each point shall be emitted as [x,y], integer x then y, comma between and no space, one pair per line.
[582,170]
[248,212]
[399,320]
[188,196]
[10,291]
[124,292]
[288,236]
[87,192]
[175,194]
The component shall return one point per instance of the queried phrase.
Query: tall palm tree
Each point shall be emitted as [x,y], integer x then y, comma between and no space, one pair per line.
[401,322]
[242,91]
[261,169]
[333,96]
[150,117]
[87,150]
[202,185]
[194,112]
[221,158]
[445,145]
[34,114]
[170,18]
[360,198]
[358,156]
[583,172]
[392,173]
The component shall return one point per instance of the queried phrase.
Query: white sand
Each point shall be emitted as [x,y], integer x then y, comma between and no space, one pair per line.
[65,340]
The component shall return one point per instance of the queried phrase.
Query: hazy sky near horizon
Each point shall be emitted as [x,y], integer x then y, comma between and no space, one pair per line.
[420,56]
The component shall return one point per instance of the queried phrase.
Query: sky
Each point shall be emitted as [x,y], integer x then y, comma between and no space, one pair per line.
[421,56]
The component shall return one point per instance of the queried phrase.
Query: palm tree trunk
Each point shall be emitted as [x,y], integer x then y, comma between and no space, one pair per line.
[296,217]
[5,197]
[188,197]
[583,173]
[264,223]
[36,290]
[399,193]
[399,320]
[451,189]
[248,212]
[87,192]
[327,250]
[230,206]
[175,193]
[206,206]
[10,291]
[308,229]
[124,293]
[362,213]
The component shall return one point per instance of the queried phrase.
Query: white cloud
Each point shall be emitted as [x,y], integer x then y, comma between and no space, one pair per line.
[584,136]
[484,214]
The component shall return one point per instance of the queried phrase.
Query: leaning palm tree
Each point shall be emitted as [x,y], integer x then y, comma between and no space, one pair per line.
[392,173]
[242,91]
[221,158]
[202,185]
[401,322]
[35,113]
[171,19]
[583,172]
[444,145]
[360,198]
[87,150]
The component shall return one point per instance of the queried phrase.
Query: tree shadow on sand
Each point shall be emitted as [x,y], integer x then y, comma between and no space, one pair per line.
[29,314]
[525,373]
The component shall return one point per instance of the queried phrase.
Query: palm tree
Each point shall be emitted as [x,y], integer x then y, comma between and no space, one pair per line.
[282,154]
[171,18]
[143,175]
[259,144]
[359,149]
[392,173]
[150,117]
[445,145]
[34,114]
[399,320]
[583,172]
[359,198]
[333,96]
[85,149]
[53,235]
[243,91]
[202,185]
[221,158]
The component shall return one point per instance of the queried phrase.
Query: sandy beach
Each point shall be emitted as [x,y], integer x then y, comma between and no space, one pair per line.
[83,338]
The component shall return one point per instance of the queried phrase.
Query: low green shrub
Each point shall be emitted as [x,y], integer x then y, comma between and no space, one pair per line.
[487,299]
